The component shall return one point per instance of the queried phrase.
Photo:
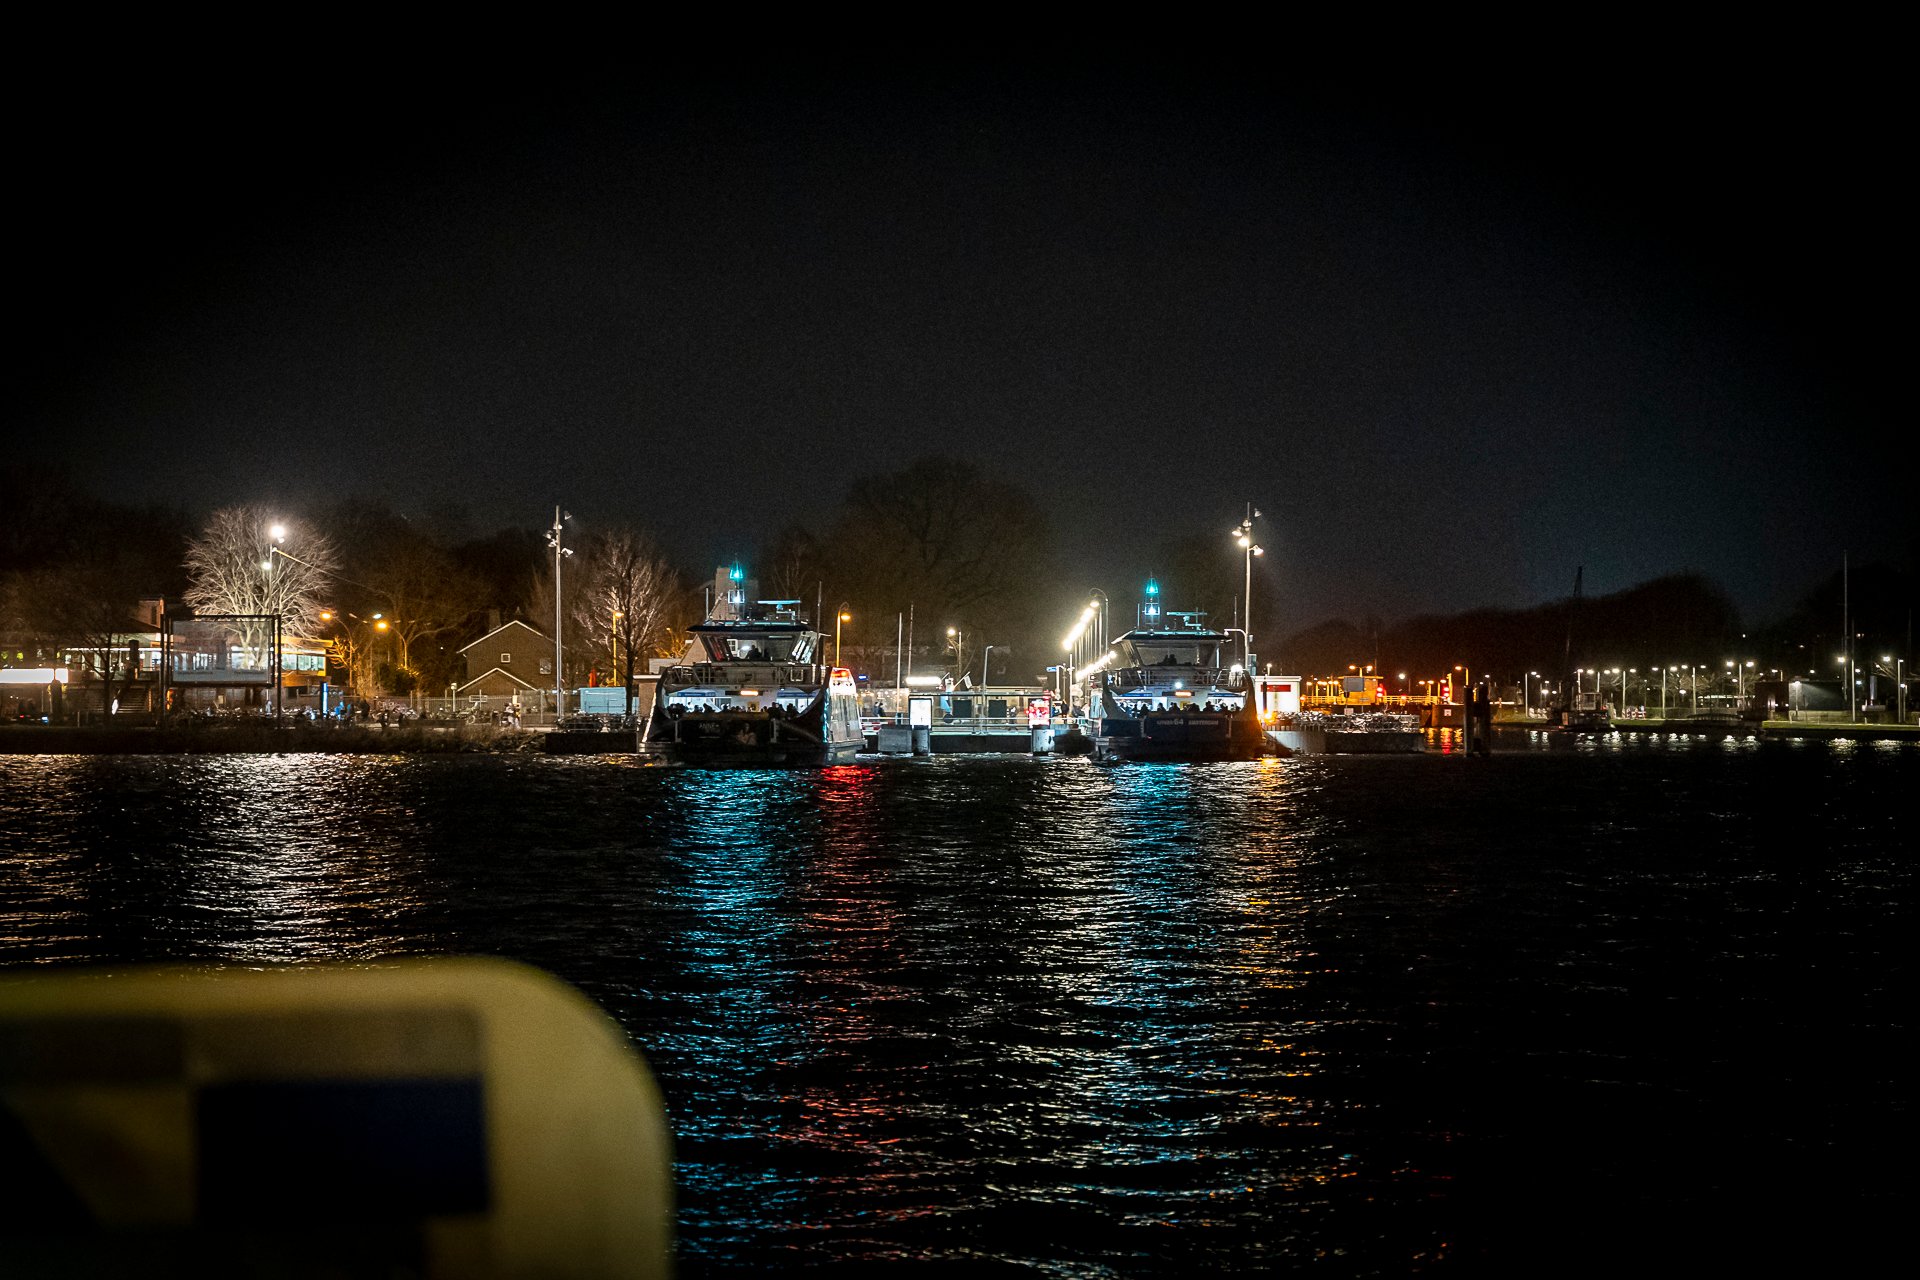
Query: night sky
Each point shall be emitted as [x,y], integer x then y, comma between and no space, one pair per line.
[1453,338]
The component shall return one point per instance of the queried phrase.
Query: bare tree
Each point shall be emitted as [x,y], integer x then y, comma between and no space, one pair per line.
[971,550]
[795,564]
[631,604]
[232,567]
[87,611]
[423,593]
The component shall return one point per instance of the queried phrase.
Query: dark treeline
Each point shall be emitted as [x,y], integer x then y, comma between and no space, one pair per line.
[937,541]
[1672,621]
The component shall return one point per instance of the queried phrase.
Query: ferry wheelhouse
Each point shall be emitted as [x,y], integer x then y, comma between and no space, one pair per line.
[751,689]
[1170,690]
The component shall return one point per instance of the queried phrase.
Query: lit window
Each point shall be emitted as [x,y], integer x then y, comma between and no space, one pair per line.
[506,659]
[546,666]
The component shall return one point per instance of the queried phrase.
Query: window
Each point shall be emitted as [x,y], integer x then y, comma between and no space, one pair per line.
[546,666]
[506,659]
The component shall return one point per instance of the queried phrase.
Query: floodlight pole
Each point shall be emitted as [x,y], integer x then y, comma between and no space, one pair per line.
[559,679]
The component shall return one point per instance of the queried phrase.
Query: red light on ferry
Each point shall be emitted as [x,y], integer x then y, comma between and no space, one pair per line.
[843,673]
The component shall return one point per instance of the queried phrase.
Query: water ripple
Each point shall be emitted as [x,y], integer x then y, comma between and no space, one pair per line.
[1082,1021]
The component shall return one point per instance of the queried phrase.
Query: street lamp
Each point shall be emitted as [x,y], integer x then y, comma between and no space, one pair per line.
[957,641]
[980,702]
[560,552]
[1242,535]
[840,615]
[626,690]
[1071,643]
[1526,706]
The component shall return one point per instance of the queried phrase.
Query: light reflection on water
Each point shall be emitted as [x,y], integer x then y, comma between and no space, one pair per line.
[1356,1013]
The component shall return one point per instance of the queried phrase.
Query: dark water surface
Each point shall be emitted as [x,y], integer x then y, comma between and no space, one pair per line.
[1640,1002]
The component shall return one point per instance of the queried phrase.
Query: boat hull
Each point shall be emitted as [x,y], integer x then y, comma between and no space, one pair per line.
[747,740]
[1183,735]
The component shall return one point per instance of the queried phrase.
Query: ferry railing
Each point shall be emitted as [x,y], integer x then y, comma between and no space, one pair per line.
[1221,678]
[1012,723]
[780,673]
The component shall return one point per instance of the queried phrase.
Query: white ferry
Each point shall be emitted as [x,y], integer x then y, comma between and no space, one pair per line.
[1171,691]
[752,689]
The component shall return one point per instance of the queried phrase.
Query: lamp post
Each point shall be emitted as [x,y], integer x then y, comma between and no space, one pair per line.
[840,615]
[1663,691]
[279,535]
[980,702]
[1243,537]
[1526,706]
[1071,644]
[560,552]
[626,690]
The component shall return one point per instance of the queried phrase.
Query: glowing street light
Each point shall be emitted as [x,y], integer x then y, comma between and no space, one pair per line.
[1242,535]
[626,690]
[1079,628]
[980,702]
[840,615]
[555,540]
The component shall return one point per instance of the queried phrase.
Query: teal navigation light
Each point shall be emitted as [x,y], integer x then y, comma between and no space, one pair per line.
[1151,609]
[736,594]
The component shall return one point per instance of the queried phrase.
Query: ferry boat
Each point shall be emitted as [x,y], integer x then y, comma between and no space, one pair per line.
[1580,713]
[1172,692]
[752,689]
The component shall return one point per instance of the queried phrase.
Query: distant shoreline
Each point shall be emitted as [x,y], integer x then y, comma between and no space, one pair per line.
[1761,729]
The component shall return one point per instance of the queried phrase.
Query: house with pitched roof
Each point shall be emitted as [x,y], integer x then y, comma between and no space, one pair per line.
[512,660]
